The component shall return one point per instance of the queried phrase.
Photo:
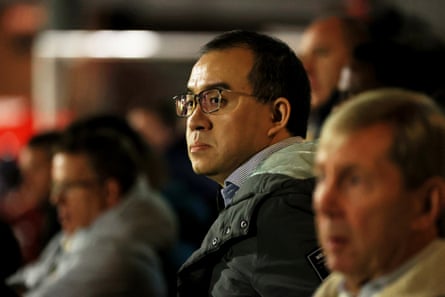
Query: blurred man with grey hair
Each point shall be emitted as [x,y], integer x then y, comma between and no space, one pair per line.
[380,196]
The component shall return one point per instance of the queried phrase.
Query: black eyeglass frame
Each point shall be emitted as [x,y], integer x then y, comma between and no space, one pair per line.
[184,111]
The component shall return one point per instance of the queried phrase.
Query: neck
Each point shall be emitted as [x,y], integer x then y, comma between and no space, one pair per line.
[385,266]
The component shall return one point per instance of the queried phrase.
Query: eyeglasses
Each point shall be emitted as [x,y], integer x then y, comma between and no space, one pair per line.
[62,188]
[210,101]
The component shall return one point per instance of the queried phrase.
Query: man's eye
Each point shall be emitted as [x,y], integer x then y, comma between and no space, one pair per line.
[354,180]
[214,100]
[189,103]
[321,52]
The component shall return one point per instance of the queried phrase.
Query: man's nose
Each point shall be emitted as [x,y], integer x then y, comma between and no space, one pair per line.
[326,199]
[198,120]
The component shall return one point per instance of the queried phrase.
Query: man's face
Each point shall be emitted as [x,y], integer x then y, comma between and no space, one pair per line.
[364,213]
[79,195]
[220,142]
[323,51]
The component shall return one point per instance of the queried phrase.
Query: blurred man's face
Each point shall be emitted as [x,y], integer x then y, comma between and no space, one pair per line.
[364,212]
[77,192]
[324,52]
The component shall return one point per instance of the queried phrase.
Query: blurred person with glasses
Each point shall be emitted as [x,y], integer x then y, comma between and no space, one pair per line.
[113,223]
[247,106]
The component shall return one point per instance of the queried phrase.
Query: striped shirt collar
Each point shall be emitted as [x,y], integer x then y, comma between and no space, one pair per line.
[240,175]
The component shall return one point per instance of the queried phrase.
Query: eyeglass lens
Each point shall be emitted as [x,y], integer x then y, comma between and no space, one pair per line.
[209,101]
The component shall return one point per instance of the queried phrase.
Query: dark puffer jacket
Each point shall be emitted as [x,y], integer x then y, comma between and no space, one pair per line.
[259,245]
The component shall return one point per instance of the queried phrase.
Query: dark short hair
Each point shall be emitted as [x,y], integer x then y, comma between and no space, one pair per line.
[149,163]
[45,141]
[109,154]
[277,72]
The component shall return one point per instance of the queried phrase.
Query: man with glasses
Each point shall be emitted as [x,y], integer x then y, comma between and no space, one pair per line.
[247,107]
[113,224]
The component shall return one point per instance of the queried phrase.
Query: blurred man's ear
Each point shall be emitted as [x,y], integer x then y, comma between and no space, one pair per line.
[440,221]
[432,205]
[280,115]
[113,192]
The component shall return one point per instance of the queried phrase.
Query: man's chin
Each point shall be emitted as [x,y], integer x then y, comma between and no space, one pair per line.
[200,168]
[67,229]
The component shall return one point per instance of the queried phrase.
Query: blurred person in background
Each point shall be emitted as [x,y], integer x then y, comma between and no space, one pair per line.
[20,21]
[26,207]
[113,223]
[153,172]
[10,177]
[402,52]
[380,196]
[10,258]
[325,47]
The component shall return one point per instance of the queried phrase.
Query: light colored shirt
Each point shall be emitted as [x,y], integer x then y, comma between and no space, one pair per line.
[372,288]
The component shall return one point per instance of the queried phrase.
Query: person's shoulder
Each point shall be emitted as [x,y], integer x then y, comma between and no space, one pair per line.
[117,255]
[280,184]
[329,287]
[295,160]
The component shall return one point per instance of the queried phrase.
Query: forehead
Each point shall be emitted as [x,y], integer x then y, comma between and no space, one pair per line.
[32,154]
[324,33]
[65,164]
[228,66]
[365,146]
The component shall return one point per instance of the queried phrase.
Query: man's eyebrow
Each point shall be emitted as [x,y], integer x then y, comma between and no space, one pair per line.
[346,171]
[220,85]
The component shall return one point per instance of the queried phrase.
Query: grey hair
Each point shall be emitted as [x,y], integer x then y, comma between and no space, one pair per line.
[418,126]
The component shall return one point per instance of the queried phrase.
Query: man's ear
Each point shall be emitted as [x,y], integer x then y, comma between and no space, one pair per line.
[280,115]
[113,192]
[432,205]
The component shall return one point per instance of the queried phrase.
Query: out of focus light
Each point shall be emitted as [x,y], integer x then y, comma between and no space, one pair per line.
[130,44]
[119,44]
[98,44]
[122,44]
